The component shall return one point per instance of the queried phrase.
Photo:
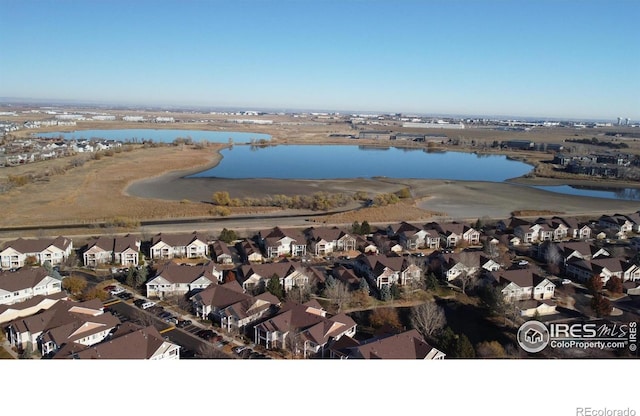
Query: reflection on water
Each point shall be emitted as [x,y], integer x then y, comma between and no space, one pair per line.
[629,194]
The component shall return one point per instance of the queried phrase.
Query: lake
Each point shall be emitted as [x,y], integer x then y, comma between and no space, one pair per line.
[629,194]
[158,135]
[349,161]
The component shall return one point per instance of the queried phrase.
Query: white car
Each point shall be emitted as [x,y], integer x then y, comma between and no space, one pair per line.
[566,281]
[117,291]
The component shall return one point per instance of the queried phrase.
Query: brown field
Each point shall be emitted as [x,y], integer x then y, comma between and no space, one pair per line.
[148,183]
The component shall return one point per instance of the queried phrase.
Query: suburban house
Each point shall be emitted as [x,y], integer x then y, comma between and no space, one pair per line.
[232,308]
[409,345]
[66,322]
[54,250]
[523,284]
[455,233]
[327,240]
[168,246]
[129,341]
[249,251]
[9,312]
[26,283]
[279,242]
[303,329]
[123,251]
[534,233]
[180,279]
[346,276]
[619,225]
[382,270]
[221,253]
[575,229]
[289,273]
[604,267]
[413,237]
[530,307]
[366,246]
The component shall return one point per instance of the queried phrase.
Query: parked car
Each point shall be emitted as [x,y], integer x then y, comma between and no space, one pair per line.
[147,305]
[205,334]
[117,291]
[183,323]
[566,281]
[238,350]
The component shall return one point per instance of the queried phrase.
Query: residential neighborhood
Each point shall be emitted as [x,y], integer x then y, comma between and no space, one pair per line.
[321,292]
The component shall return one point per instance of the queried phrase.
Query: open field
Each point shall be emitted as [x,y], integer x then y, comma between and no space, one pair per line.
[148,183]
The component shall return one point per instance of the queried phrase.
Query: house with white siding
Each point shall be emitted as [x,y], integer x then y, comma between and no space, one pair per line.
[17,252]
[169,246]
[180,279]
[26,283]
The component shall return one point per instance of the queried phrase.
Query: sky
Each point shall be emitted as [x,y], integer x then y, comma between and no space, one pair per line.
[554,59]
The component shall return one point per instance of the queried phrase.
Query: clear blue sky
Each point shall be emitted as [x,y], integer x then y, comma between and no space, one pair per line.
[563,58]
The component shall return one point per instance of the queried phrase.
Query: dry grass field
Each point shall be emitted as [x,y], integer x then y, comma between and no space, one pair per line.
[147,183]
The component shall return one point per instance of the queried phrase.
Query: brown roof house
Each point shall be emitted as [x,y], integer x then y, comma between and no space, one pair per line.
[181,279]
[280,242]
[523,284]
[290,273]
[54,250]
[168,246]
[222,253]
[26,283]
[325,240]
[83,323]
[119,250]
[29,307]
[128,342]
[303,329]
[382,270]
[407,345]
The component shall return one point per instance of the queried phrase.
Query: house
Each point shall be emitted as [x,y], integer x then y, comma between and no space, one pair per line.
[409,345]
[250,252]
[453,265]
[66,322]
[346,276]
[575,229]
[26,283]
[179,279]
[604,267]
[523,284]
[366,246]
[383,270]
[620,225]
[289,273]
[279,242]
[16,253]
[303,329]
[222,253]
[9,312]
[128,341]
[118,250]
[208,303]
[455,233]
[413,237]
[532,307]
[237,316]
[325,240]
[168,246]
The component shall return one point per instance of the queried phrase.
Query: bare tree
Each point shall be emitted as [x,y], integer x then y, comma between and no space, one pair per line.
[553,258]
[338,293]
[428,318]
[470,262]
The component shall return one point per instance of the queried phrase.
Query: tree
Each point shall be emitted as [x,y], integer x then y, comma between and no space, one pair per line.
[74,284]
[275,287]
[431,282]
[355,228]
[553,258]
[601,305]
[30,261]
[228,236]
[339,295]
[464,349]
[614,284]
[131,277]
[364,286]
[594,285]
[299,294]
[221,198]
[95,293]
[385,293]
[490,349]
[428,318]
[469,262]
[365,228]
[380,317]
[141,276]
